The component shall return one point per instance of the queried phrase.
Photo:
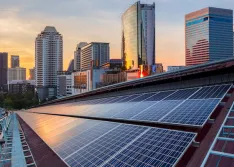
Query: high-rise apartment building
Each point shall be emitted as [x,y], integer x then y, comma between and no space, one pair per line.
[94,55]
[32,74]
[3,69]
[15,61]
[49,60]
[16,73]
[77,55]
[71,66]
[208,35]
[138,36]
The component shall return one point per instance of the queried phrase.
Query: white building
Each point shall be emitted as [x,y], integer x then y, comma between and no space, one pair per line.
[64,87]
[84,81]
[173,68]
[49,60]
[77,55]
[17,73]
[94,55]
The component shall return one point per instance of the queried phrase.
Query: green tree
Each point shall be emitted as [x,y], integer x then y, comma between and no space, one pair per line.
[8,103]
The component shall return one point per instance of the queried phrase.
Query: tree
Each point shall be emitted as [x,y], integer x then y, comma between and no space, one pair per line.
[7,103]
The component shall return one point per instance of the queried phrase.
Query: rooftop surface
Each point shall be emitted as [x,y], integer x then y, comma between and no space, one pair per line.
[181,118]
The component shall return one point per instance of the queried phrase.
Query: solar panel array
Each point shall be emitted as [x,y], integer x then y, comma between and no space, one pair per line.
[191,106]
[86,142]
[80,142]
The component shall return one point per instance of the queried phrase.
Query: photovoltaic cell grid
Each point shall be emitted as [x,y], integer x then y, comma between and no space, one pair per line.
[114,144]
[192,112]
[106,143]
[156,147]
[181,94]
[128,145]
[156,112]
[206,92]
[188,112]
[75,143]
[211,92]
[160,96]
[156,107]
[148,101]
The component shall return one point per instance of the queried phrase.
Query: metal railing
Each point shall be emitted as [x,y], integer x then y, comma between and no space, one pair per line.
[225,134]
[13,143]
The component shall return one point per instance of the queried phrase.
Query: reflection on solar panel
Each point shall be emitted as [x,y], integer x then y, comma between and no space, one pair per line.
[85,142]
[174,106]
[192,112]
[65,149]
[104,147]
[107,143]
[157,111]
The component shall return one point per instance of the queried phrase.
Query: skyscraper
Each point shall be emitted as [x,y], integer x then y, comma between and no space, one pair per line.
[49,60]
[71,66]
[15,62]
[77,54]
[16,73]
[94,55]
[3,69]
[208,35]
[138,36]
[32,74]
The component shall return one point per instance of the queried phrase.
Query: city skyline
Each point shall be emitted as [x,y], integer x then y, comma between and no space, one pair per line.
[85,21]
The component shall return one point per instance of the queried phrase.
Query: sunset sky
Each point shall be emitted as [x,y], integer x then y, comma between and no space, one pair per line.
[93,20]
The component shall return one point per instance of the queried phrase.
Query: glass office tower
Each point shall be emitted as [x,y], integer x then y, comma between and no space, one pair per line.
[208,35]
[138,36]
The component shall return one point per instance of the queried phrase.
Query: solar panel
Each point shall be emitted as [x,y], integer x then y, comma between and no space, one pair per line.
[66,148]
[109,109]
[129,98]
[97,143]
[160,96]
[142,97]
[156,147]
[181,94]
[149,106]
[129,145]
[132,111]
[217,91]
[157,111]
[192,112]
[97,152]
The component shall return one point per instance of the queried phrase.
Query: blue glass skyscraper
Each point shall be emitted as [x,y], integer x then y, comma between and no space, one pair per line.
[208,35]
